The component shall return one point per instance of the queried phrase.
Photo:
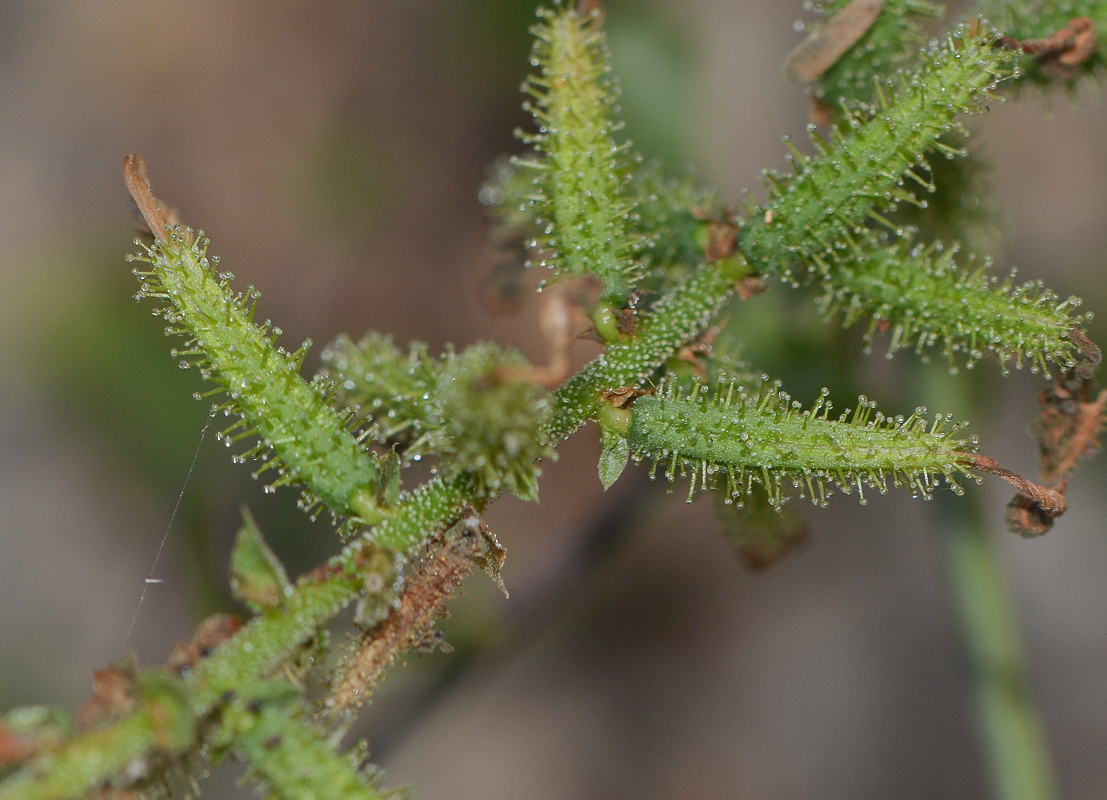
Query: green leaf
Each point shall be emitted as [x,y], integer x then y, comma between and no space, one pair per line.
[258,578]
[761,436]
[266,724]
[866,162]
[926,298]
[299,434]
[582,173]
[613,458]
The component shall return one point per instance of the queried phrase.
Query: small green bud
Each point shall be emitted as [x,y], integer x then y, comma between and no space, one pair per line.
[494,423]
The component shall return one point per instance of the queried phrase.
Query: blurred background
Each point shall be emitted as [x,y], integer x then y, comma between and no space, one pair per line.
[333,152]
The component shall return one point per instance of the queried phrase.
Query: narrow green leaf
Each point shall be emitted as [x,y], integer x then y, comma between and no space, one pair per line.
[265,724]
[927,299]
[300,434]
[745,437]
[582,173]
[832,194]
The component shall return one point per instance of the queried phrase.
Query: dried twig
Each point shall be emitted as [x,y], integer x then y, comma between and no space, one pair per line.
[448,560]
[158,218]
[1032,511]
[1061,53]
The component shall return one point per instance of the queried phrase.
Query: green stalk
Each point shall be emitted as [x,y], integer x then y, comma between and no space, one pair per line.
[85,762]
[678,318]
[1011,732]
[289,757]
[263,644]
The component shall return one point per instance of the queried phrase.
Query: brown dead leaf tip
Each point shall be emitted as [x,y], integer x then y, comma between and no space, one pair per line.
[113,694]
[476,542]
[751,286]
[210,633]
[1027,518]
[153,216]
[1068,424]
[820,113]
[589,8]
[1040,505]
[623,396]
[1091,352]
[626,321]
[1063,52]
[446,561]
[693,353]
[13,749]
[1067,430]
[722,241]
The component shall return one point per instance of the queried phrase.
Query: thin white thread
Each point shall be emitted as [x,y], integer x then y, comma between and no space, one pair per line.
[150,579]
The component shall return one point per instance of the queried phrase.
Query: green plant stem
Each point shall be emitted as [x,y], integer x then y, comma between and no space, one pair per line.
[828,198]
[678,318]
[272,637]
[87,761]
[1008,724]
[293,760]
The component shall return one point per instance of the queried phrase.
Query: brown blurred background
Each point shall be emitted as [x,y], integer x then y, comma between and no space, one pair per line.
[333,152]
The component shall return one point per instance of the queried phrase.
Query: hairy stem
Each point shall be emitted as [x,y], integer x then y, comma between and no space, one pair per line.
[295,762]
[678,318]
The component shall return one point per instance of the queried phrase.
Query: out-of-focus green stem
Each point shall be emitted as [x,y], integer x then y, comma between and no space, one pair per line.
[1008,724]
